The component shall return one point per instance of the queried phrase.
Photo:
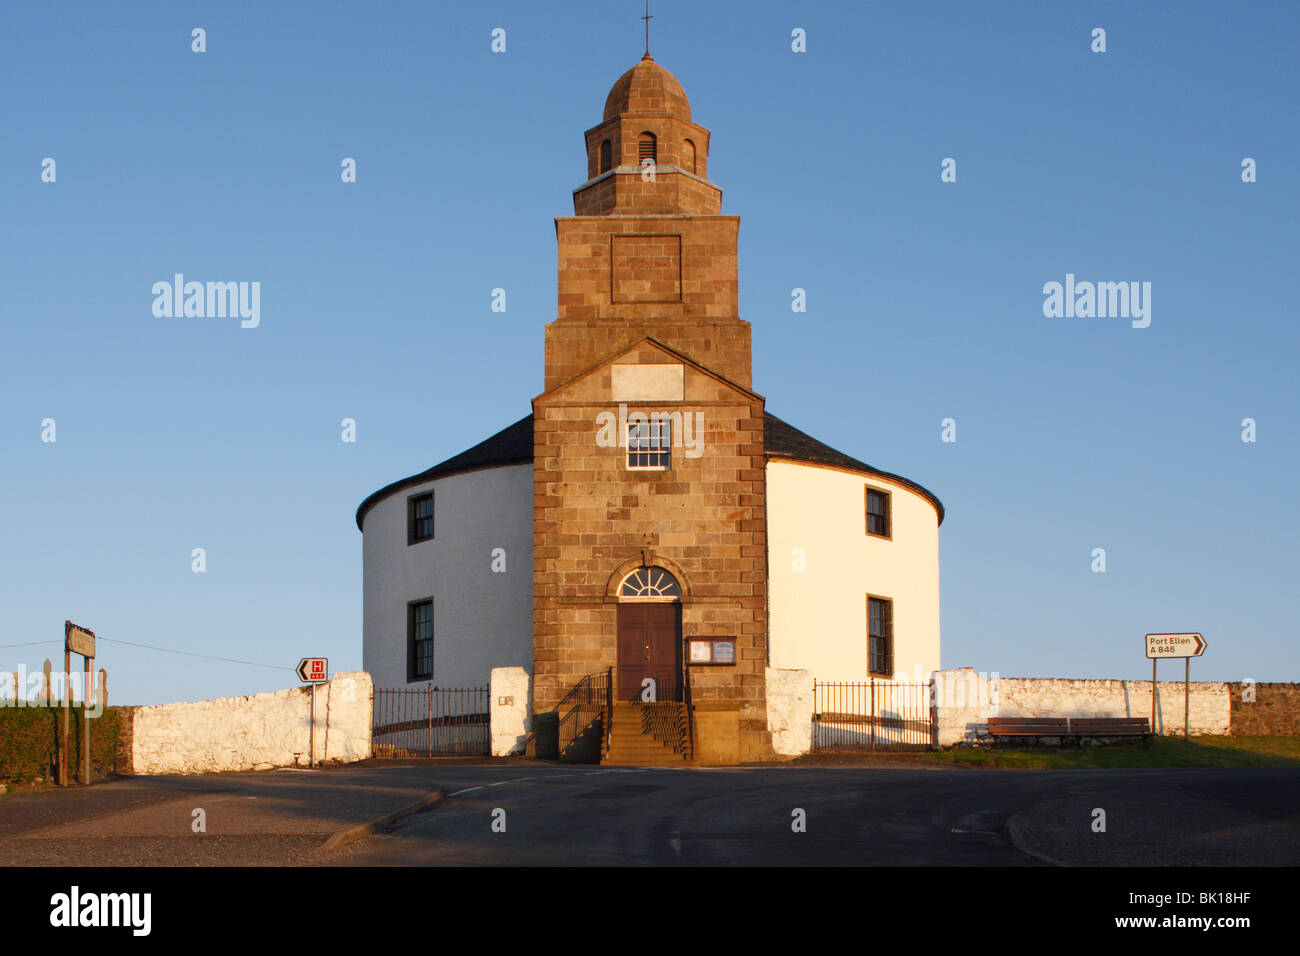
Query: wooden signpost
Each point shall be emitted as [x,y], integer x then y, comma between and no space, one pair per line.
[76,640]
[1185,646]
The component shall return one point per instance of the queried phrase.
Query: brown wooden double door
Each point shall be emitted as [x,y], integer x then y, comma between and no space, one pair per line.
[649,645]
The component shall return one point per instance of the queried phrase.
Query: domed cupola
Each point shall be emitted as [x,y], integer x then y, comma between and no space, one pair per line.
[647,156]
[647,88]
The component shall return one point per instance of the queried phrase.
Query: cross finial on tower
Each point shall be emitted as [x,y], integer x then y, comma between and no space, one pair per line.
[647,18]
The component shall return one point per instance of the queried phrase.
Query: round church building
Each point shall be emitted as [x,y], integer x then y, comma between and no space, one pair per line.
[650,544]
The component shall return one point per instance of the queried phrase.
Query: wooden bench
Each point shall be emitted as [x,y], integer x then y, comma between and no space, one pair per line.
[1070,728]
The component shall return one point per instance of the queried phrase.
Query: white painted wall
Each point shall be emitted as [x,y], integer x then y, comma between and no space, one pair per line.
[481,619]
[964,700]
[256,732]
[789,711]
[509,710]
[818,617]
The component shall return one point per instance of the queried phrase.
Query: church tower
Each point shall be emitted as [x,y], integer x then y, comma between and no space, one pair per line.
[649,517]
[647,251]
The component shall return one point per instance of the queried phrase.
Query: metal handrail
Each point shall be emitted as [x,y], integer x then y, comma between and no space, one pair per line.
[590,692]
[609,709]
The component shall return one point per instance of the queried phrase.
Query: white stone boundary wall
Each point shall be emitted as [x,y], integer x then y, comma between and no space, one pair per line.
[964,700]
[790,710]
[509,710]
[258,732]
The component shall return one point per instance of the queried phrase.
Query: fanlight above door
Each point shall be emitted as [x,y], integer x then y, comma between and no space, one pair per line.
[650,583]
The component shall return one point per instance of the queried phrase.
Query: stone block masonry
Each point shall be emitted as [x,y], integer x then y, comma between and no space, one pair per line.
[647,279]
[1265,709]
[704,519]
[671,279]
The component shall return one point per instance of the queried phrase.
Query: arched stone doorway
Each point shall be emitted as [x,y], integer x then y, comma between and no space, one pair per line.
[649,635]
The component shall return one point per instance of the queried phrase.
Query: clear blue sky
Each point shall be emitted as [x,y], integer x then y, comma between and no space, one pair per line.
[924,300]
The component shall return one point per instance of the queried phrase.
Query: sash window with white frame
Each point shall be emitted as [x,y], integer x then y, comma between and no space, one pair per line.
[649,445]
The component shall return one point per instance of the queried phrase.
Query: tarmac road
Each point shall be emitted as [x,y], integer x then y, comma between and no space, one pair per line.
[854,817]
[557,814]
[273,818]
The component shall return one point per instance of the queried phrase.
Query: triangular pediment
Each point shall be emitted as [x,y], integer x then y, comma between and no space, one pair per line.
[646,371]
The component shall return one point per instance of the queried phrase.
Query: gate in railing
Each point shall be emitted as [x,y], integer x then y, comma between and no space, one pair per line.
[871,715]
[431,721]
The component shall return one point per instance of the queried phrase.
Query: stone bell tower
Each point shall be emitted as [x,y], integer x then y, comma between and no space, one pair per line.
[648,251]
[650,567]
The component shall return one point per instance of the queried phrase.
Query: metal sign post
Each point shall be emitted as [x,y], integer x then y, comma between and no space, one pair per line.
[313,670]
[1153,696]
[1185,646]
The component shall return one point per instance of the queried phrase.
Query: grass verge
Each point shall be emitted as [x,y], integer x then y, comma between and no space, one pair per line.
[1276,751]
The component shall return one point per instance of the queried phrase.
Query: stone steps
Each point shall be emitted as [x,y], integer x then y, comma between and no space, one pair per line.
[631,745]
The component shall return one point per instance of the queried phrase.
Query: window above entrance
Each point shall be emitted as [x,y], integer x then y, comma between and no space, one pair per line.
[650,583]
[650,446]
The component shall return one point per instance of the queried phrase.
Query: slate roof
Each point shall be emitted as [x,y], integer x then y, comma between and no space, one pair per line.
[513,445]
[783,440]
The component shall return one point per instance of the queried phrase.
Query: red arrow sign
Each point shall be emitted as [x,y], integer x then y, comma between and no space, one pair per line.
[314,670]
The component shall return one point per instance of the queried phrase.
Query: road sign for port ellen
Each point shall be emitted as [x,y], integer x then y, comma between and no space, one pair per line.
[314,670]
[1175,645]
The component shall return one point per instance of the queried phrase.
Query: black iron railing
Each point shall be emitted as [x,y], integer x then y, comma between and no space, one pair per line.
[871,715]
[431,721]
[665,684]
[669,723]
[586,717]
